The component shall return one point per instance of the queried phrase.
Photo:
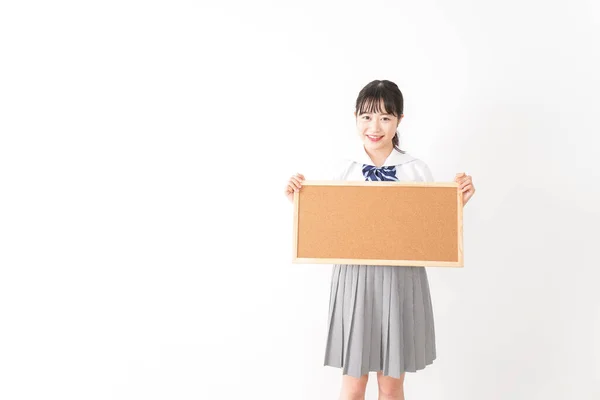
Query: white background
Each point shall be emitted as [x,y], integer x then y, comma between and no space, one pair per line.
[145,242]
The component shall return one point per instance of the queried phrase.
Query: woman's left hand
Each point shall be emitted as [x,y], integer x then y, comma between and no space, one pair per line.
[465,185]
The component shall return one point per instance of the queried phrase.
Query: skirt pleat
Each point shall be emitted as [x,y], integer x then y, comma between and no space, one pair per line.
[380,319]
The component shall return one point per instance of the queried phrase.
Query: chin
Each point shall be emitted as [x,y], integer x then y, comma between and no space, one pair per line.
[375,145]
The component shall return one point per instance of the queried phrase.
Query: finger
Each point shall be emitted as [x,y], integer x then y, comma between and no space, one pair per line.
[297,182]
[298,177]
[467,188]
[292,185]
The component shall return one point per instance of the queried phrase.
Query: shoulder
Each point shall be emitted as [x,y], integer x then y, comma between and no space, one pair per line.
[397,158]
[418,168]
[417,163]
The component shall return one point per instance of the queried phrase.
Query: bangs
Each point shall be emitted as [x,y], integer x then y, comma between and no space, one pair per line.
[371,103]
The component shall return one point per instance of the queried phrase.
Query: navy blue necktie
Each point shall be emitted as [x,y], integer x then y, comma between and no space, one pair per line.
[372,173]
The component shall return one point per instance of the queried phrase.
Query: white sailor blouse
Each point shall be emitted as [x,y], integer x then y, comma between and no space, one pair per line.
[397,167]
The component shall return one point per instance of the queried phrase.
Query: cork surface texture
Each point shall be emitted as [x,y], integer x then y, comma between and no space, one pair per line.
[378,223]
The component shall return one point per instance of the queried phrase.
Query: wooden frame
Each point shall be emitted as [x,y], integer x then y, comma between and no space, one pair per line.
[414,263]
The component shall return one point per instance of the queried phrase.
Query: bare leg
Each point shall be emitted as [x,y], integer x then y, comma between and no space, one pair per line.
[354,388]
[390,388]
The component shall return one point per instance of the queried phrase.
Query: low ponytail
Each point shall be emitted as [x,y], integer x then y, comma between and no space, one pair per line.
[396,143]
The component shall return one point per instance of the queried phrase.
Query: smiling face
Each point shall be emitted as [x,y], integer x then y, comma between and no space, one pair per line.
[376,127]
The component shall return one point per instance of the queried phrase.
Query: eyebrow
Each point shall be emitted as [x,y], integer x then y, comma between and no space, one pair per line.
[373,113]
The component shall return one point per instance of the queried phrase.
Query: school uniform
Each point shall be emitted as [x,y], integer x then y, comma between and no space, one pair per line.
[380,317]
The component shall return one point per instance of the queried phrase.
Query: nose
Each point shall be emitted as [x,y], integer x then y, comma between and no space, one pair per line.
[374,124]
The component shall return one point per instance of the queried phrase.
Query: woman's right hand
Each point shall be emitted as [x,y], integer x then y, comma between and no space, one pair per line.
[293,185]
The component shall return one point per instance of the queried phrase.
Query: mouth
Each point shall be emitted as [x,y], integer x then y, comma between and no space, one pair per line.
[374,138]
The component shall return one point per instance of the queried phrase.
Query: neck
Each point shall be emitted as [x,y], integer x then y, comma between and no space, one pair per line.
[380,155]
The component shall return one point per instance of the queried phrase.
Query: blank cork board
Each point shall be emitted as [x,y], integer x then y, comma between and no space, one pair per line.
[378,223]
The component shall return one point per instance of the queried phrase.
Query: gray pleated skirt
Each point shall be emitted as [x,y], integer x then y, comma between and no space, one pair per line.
[380,319]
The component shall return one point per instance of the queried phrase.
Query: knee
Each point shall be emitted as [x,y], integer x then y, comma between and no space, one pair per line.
[391,391]
[354,388]
[389,387]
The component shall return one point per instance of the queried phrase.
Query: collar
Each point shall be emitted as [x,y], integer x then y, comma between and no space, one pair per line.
[359,155]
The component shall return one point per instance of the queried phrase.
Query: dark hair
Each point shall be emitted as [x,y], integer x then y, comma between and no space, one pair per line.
[370,97]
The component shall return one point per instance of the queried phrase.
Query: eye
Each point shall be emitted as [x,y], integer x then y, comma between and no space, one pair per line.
[365,117]
[386,118]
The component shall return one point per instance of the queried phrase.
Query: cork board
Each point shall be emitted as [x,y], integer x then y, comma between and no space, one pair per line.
[378,223]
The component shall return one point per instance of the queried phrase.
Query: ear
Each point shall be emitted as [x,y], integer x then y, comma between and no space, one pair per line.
[400,119]
[354,114]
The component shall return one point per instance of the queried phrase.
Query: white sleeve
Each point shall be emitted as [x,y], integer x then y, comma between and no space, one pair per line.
[423,171]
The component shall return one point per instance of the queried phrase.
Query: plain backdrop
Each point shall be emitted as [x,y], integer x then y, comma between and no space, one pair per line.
[145,241]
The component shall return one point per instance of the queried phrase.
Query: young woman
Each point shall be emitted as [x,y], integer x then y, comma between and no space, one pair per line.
[380,317]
